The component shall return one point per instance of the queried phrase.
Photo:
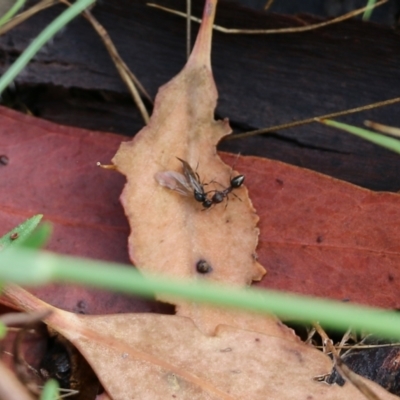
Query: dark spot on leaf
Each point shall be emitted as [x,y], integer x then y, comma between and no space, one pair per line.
[81,307]
[390,278]
[297,354]
[14,236]
[4,160]
[320,239]
[226,350]
[256,339]
[279,181]
[203,267]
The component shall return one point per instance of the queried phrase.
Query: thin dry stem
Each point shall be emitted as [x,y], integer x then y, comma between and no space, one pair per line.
[361,346]
[342,368]
[313,119]
[327,342]
[310,335]
[67,393]
[268,4]
[352,377]
[23,16]
[385,129]
[24,318]
[106,166]
[280,30]
[346,337]
[127,76]
[188,27]
[368,346]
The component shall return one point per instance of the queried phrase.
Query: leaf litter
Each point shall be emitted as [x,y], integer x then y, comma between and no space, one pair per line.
[200,352]
[151,356]
[218,356]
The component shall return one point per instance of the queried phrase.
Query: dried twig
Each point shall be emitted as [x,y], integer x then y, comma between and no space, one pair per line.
[361,346]
[326,341]
[280,30]
[345,338]
[385,129]
[127,76]
[310,335]
[188,27]
[21,17]
[355,379]
[292,30]
[313,119]
[268,4]
[106,166]
[342,368]
[24,318]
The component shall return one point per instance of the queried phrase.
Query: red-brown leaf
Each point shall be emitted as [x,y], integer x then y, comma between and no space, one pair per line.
[319,236]
[52,170]
[325,237]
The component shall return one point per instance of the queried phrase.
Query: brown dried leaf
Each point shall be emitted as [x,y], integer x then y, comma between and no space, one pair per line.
[171,233]
[151,356]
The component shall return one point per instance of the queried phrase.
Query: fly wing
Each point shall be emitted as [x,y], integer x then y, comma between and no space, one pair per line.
[175,181]
[191,177]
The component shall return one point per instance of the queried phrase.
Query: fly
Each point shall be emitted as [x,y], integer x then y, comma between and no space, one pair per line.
[187,184]
[175,181]
[194,181]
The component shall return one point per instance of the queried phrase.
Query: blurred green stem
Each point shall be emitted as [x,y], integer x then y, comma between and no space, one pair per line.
[36,268]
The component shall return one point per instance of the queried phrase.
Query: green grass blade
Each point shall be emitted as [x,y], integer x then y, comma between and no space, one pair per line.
[3,330]
[381,140]
[12,11]
[21,233]
[367,13]
[34,267]
[39,237]
[39,42]
[50,390]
